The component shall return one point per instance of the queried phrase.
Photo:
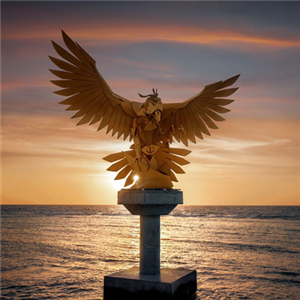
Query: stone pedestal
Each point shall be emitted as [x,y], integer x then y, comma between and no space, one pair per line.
[149,281]
[169,285]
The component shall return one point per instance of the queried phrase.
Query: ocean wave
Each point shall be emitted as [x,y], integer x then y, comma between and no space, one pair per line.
[256,213]
[257,247]
[284,273]
[208,212]
[236,246]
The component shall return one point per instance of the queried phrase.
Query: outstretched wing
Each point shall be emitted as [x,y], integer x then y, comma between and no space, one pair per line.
[88,93]
[194,116]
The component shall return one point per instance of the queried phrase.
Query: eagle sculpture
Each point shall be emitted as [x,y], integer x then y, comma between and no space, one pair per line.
[152,125]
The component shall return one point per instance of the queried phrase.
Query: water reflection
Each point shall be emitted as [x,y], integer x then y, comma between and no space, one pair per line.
[57,252]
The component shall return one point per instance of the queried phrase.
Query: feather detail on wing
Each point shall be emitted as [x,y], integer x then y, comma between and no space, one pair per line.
[88,93]
[193,117]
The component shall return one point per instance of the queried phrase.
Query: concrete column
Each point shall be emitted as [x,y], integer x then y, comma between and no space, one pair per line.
[150,245]
[149,281]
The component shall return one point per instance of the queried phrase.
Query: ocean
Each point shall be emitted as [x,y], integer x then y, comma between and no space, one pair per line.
[64,252]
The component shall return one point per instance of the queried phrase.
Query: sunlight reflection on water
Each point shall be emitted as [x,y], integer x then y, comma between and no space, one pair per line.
[63,252]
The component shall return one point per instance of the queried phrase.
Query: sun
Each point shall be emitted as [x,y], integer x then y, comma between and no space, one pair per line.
[119,184]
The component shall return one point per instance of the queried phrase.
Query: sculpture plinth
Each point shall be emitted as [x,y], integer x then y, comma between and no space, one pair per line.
[150,205]
[149,281]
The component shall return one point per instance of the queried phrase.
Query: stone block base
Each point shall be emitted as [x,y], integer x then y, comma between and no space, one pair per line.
[169,285]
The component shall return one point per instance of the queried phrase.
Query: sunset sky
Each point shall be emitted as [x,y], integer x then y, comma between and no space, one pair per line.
[178,48]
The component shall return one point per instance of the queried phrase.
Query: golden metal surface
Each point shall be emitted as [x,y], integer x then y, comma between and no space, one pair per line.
[151,125]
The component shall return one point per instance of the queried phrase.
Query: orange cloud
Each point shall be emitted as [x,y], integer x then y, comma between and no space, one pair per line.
[24,83]
[167,33]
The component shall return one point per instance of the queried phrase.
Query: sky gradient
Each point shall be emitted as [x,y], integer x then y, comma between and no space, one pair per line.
[178,48]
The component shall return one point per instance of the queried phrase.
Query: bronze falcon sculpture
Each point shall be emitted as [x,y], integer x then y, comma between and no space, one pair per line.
[152,125]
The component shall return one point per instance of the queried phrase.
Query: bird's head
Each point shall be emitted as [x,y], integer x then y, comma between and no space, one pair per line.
[153,98]
[153,103]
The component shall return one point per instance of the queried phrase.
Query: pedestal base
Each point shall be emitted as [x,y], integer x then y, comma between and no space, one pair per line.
[170,284]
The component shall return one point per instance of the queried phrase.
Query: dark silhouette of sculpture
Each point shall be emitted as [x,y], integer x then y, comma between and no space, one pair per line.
[151,125]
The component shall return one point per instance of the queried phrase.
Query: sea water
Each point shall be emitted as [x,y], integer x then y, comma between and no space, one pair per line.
[64,252]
